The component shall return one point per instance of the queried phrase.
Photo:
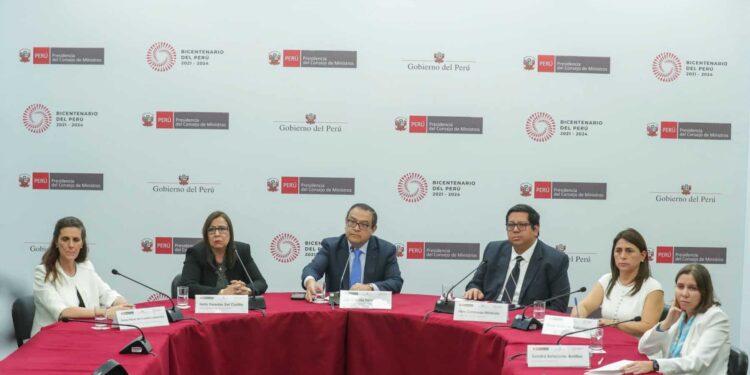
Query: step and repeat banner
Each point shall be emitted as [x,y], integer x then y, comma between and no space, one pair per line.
[141,118]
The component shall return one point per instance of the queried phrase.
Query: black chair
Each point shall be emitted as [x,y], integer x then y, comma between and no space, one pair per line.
[23,318]
[737,362]
[175,283]
[664,312]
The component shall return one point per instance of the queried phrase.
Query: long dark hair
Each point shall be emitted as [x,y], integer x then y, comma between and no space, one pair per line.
[705,286]
[229,256]
[50,257]
[644,271]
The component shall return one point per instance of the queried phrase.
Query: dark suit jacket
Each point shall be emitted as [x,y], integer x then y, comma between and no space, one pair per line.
[199,272]
[381,267]
[546,275]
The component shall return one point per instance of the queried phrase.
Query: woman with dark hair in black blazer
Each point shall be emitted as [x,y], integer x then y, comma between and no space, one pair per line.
[212,266]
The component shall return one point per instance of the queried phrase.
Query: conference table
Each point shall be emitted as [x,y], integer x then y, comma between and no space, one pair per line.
[297,337]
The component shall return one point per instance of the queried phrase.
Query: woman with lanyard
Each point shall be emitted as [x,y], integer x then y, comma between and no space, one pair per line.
[694,337]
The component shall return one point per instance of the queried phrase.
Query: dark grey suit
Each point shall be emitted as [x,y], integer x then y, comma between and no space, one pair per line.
[381,267]
[546,276]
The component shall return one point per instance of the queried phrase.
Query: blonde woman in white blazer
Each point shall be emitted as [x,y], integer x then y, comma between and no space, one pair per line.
[66,284]
[694,337]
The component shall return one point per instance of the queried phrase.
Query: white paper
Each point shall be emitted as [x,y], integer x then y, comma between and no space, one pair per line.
[610,369]
[480,311]
[558,356]
[146,317]
[560,325]
[365,300]
[220,304]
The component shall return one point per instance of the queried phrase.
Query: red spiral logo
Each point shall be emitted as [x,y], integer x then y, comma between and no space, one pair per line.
[37,118]
[285,247]
[412,187]
[161,56]
[540,126]
[666,67]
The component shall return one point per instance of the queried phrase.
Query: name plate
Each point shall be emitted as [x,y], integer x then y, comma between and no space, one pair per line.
[219,304]
[560,325]
[147,317]
[557,355]
[350,299]
[479,311]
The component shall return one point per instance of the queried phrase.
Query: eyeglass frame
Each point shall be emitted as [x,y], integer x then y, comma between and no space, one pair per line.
[521,226]
[217,230]
[351,223]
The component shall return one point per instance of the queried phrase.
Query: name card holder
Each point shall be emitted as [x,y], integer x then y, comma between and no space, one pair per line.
[220,304]
[146,317]
[558,356]
[560,325]
[376,300]
[479,311]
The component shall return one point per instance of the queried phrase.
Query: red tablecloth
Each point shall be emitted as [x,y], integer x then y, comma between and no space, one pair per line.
[296,337]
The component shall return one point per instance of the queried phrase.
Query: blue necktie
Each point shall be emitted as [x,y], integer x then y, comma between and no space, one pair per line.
[355,274]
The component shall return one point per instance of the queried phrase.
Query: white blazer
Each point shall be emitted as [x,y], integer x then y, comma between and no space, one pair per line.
[50,299]
[705,350]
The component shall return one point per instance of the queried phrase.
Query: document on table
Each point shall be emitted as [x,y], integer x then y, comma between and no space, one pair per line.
[610,369]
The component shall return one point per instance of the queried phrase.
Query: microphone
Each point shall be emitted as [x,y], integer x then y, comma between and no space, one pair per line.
[443,305]
[173,314]
[636,319]
[253,302]
[139,345]
[529,323]
[335,298]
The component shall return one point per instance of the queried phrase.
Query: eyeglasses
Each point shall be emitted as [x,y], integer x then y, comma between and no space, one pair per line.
[218,230]
[351,223]
[521,226]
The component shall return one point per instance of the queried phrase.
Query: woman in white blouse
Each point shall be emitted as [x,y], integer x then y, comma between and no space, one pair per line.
[66,284]
[694,337]
[629,290]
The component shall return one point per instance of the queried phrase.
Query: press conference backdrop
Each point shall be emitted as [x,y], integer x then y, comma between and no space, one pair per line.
[142,117]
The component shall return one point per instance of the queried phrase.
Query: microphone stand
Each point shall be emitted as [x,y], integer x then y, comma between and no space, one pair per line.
[447,306]
[525,323]
[253,302]
[636,319]
[335,298]
[173,315]
[139,345]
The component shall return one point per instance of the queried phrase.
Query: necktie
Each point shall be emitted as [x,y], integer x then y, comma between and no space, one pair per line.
[355,274]
[510,286]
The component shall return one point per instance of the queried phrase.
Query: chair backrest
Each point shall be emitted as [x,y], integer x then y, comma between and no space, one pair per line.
[23,318]
[175,283]
[737,362]
[664,312]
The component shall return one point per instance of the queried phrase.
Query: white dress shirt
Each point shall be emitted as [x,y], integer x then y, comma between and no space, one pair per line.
[521,271]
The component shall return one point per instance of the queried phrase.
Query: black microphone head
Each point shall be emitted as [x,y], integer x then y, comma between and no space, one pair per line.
[637,319]
[114,272]
[583,289]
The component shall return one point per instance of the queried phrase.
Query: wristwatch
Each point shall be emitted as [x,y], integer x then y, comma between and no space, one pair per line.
[655,363]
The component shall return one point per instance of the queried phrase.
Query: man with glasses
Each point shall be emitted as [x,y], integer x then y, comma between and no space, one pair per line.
[522,269]
[356,260]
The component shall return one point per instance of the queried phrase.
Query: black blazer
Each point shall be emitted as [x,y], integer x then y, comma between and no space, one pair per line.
[200,276]
[381,267]
[546,275]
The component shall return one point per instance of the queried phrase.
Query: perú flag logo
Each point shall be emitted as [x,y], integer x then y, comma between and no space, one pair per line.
[415,250]
[289,185]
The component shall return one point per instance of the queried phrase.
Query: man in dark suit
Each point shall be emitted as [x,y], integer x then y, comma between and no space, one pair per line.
[371,261]
[537,271]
